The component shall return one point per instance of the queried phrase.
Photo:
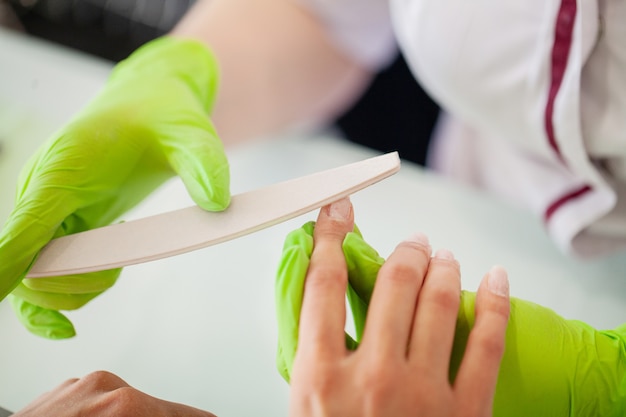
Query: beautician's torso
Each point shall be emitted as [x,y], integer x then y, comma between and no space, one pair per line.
[529,87]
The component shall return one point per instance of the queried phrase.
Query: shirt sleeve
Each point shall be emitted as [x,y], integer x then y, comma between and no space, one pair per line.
[360,28]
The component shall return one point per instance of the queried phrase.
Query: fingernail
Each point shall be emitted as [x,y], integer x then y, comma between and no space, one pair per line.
[498,282]
[444,254]
[419,238]
[340,210]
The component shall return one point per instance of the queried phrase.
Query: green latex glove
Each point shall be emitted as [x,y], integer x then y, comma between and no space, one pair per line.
[148,123]
[552,366]
[289,289]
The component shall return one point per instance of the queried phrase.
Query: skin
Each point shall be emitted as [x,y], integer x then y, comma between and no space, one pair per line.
[401,366]
[278,69]
[102,394]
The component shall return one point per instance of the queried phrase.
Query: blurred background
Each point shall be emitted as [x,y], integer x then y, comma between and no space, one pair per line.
[394,114]
[111,29]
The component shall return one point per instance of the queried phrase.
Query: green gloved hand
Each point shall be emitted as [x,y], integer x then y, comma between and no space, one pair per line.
[551,367]
[289,289]
[148,123]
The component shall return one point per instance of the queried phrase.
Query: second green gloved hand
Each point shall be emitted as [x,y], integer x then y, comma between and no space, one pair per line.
[552,367]
[149,123]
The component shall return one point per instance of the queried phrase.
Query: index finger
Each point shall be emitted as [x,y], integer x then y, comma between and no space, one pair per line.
[323,315]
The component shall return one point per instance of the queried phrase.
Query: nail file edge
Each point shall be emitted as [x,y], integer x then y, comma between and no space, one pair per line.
[188,229]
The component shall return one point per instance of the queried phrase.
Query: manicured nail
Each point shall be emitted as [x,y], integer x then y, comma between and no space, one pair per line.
[340,210]
[498,282]
[419,238]
[444,254]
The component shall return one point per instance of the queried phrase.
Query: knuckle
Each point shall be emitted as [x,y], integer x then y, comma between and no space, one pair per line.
[126,395]
[121,402]
[377,384]
[426,372]
[401,272]
[490,345]
[331,230]
[326,277]
[501,308]
[495,306]
[321,385]
[445,297]
[99,379]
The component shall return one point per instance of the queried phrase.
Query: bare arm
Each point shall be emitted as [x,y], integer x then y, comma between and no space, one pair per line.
[278,68]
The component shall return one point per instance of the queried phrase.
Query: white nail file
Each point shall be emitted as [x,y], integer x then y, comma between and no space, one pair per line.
[192,228]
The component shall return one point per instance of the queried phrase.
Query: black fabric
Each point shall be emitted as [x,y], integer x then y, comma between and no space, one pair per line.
[110,29]
[394,114]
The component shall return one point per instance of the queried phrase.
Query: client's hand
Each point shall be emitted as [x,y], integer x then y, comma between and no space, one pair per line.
[551,367]
[401,366]
[102,394]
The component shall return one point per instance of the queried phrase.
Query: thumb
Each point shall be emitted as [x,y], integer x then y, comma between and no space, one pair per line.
[197,155]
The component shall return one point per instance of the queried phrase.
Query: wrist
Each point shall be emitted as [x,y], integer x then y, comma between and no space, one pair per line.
[551,366]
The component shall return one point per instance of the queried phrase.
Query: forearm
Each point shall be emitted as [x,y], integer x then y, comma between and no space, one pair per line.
[278,68]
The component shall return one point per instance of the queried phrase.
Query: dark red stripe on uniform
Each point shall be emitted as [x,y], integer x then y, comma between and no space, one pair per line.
[572,195]
[563,33]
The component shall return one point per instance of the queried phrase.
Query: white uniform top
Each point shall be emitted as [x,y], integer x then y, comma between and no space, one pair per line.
[534,93]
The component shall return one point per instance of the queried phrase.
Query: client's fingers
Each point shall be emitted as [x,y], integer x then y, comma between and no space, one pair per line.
[322,318]
[392,307]
[479,369]
[435,319]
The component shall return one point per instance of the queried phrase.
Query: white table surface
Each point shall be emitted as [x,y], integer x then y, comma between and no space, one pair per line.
[199,328]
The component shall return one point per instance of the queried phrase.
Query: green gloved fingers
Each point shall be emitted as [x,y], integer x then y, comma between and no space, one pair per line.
[42,321]
[75,284]
[363,265]
[36,301]
[170,106]
[148,123]
[66,293]
[289,290]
